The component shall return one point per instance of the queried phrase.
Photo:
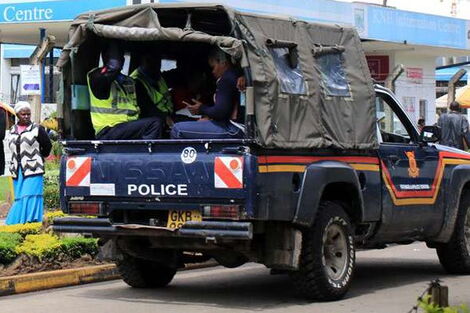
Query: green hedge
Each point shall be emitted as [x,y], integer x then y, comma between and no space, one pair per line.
[22,229]
[49,246]
[15,240]
[8,243]
[75,247]
[43,245]
[51,185]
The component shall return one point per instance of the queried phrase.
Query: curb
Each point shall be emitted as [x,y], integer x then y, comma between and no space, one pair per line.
[11,285]
[53,279]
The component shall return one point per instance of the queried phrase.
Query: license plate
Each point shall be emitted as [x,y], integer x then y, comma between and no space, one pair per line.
[176,219]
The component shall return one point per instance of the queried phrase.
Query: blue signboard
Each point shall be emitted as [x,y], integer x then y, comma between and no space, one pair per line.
[416,28]
[44,11]
[11,51]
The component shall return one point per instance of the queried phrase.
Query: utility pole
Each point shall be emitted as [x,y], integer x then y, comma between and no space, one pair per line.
[47,44]
[451,85]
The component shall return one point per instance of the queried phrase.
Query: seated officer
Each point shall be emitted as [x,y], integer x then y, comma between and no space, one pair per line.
[218,121]
[113,103]
[153,95]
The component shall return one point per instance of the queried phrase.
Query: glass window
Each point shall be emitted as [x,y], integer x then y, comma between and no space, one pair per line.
[390,126]
[290,75]
[333,76]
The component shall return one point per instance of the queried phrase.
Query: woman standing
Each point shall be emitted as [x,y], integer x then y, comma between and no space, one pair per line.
[29,145]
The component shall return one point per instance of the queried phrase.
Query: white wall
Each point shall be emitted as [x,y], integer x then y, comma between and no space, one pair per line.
[411,90]
[5,79]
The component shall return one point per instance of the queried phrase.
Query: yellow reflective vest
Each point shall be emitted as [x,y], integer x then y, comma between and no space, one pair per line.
[120,107]
[160,97]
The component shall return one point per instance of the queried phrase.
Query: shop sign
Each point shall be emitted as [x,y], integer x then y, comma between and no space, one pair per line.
[30,80]
[414,74]
[416,28]
[39,11]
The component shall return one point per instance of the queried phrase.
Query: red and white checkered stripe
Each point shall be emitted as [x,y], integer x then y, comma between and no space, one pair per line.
[228,172]
[77,172]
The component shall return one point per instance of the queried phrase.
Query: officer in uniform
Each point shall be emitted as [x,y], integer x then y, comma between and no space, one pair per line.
[153,95]
[113,102]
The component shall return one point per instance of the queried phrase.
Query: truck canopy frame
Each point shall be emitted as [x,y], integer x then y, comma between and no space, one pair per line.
[312,86]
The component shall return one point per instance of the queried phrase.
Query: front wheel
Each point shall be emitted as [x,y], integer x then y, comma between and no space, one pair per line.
[327,258]
[455,254]
[140,273]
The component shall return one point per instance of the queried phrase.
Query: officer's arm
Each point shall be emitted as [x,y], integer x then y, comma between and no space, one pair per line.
[100,82]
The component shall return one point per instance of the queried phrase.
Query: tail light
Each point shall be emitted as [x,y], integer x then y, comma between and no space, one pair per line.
[85,208]
[222,211]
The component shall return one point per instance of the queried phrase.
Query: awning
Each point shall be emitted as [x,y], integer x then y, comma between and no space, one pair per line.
[462,95]
[445,74]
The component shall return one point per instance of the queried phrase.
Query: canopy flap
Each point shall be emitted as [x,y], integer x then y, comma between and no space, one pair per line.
[138,24]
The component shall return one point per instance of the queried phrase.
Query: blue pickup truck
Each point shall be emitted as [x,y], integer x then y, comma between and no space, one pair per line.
[330,163]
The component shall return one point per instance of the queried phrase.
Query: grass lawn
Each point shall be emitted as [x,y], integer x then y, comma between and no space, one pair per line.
[6,186]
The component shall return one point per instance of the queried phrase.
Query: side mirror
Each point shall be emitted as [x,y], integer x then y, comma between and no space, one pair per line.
[430,134]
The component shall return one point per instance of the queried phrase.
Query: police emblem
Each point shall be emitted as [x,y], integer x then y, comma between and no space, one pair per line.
[413,169]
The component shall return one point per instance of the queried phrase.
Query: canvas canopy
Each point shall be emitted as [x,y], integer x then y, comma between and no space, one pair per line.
[312,86]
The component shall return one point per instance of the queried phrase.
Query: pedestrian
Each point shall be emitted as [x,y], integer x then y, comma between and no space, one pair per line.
[29,145]
[454,127]
[421,124]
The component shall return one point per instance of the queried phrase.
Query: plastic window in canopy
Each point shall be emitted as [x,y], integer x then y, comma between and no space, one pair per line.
[290,75]
[331,65]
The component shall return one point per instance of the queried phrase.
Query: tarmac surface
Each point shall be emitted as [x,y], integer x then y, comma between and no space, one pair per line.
[387,280]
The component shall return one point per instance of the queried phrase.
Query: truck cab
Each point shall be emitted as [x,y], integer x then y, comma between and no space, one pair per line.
[329,162]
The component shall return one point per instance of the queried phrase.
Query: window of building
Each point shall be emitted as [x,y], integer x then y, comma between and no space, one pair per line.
[422,108]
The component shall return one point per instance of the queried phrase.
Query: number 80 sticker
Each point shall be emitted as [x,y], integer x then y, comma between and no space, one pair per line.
[188,155]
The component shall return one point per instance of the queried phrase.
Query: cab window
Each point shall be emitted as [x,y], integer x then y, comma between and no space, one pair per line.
[391,126]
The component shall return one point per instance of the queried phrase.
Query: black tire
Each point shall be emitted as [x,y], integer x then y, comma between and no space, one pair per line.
[455,254]
[139,273]
[326,269]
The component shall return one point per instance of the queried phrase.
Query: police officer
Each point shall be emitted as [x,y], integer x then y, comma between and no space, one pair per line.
[153,96]
[114,110]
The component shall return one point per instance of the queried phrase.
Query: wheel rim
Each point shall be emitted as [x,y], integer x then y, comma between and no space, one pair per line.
[335,251]
[466,230]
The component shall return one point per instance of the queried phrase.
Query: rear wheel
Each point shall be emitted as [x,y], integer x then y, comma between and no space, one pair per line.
[140,273]
[455,255]
[327,259]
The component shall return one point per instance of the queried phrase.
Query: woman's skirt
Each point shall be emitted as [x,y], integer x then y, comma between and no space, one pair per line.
[29,202]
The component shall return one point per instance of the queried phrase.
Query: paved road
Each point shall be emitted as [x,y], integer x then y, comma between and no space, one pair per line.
[387,281]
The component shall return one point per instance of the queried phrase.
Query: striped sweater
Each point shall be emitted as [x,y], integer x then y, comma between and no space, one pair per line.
[28,150]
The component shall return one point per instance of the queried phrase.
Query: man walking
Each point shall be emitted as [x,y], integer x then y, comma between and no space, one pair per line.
[454,127]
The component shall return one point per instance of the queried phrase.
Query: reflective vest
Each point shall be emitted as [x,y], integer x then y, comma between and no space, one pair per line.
[120,107]
[160,97]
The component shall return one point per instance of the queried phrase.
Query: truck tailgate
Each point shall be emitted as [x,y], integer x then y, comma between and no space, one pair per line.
[157,170]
